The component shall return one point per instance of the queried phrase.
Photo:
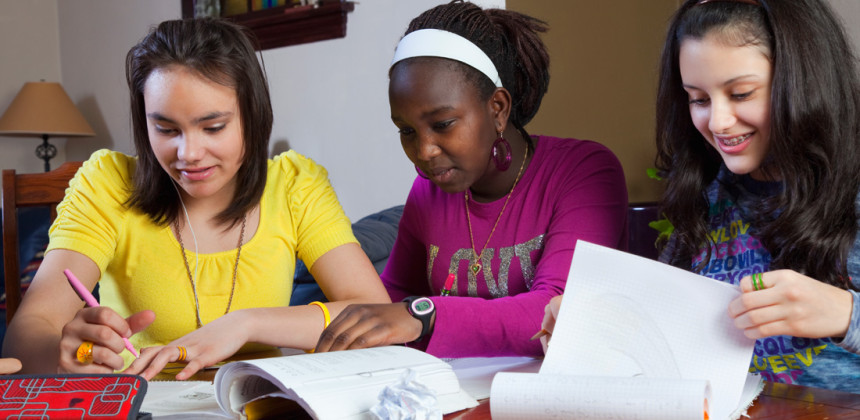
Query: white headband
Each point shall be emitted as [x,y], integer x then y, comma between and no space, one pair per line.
[439,43]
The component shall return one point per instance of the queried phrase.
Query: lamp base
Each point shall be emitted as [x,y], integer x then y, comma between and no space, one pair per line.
[46,151]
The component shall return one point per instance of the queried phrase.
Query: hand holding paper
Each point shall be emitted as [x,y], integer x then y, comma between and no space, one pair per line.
[630,321]
[791,303]
[550,315]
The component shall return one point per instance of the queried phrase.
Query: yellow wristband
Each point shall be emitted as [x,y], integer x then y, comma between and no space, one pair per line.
[326,313]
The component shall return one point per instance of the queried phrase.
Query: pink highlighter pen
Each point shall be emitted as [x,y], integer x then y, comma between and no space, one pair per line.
[90,300]
[449,283]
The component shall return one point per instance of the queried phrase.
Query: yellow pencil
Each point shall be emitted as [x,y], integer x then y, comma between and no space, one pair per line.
[539,334]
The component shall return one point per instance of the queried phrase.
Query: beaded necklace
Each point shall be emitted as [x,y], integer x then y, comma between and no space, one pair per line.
[191,278]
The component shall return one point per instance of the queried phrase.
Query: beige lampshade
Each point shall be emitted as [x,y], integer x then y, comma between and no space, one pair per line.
[43,108]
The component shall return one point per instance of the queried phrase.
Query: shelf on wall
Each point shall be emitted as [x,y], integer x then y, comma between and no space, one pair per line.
[291,25]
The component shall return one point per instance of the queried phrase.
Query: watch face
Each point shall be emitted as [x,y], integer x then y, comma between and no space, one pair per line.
[422,306]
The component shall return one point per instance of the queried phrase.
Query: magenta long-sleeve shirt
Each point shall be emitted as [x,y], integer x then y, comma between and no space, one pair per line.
[572,189]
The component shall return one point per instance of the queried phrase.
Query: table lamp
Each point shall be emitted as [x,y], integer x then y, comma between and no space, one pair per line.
[44,109]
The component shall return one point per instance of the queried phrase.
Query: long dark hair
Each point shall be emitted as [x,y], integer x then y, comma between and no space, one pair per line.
[814,129]
[223,53]
[512,42]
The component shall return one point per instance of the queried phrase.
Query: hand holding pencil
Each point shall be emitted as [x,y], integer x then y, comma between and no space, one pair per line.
[94,339]
[548,323]
[91,301]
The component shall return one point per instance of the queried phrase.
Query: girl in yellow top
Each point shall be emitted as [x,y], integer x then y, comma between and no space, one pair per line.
[194,241]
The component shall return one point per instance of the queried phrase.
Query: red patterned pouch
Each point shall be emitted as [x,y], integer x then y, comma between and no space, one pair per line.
[72,396]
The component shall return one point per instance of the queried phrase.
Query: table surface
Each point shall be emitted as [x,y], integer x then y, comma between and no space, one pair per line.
[777,401]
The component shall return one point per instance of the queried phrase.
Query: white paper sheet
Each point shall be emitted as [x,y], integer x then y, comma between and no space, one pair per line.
[623,315]
[476,373]
[515,395]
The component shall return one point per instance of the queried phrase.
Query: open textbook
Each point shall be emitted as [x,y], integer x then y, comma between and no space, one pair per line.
[335,385]
[635,339]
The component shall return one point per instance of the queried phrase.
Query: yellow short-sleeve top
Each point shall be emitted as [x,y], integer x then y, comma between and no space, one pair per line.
[141,263]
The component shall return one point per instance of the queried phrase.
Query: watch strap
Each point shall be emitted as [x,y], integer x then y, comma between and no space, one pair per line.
[425,318]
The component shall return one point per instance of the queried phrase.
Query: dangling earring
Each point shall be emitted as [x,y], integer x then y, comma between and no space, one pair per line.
[501,154]
[421,173]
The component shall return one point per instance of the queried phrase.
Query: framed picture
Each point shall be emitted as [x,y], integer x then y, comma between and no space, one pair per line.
[279,23]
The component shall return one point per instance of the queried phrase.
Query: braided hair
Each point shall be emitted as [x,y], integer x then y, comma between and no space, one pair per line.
[512,42]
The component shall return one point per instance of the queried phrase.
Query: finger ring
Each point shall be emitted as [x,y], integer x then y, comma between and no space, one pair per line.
[758,281]
[182,354]
[85,353]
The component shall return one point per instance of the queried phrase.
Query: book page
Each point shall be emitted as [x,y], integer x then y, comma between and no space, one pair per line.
[340,384]
[624,315]
[523,396]
[182,400]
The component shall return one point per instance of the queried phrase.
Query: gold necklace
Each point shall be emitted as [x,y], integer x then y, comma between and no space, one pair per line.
[476,266]
[191,278]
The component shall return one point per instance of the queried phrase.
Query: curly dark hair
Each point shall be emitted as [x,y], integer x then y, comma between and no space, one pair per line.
[814,128]
[224,53]
[510,39]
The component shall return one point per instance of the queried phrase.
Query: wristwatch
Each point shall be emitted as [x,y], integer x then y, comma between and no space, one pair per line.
[422,309]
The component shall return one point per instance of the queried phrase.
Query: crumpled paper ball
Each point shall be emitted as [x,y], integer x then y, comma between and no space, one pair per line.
[407,399]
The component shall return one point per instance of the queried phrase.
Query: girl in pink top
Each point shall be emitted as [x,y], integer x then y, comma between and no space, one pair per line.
[489,228]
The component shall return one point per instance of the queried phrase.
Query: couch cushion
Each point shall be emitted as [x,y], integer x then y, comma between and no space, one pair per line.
[376,234]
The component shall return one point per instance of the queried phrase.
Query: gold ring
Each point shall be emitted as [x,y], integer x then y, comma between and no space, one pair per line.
[85,353]
[182,354]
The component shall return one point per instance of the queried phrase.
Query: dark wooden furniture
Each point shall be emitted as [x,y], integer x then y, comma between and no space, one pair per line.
[27,190]
[641,238]
[290,25]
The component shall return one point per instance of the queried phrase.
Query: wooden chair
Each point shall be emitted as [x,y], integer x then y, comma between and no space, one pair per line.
[27,190]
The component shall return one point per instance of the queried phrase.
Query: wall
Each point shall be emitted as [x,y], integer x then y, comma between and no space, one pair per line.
[849,11]
[603,66]
[95,37]
[330,98]
[30,50]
